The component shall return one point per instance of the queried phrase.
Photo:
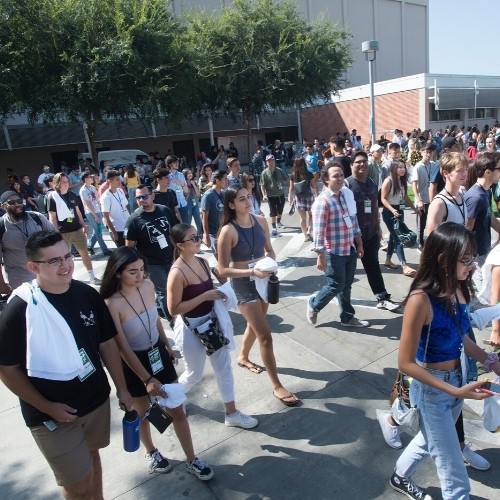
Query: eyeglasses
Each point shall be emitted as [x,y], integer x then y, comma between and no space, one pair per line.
[468,262]
[143,197]
[17,201]
[56,262]
[360,162]
[195,239]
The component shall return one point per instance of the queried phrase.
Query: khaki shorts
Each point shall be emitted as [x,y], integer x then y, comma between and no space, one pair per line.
[76,238]
[67,449]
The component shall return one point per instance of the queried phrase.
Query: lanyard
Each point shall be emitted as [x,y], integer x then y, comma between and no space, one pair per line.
[461,210]
[252,246]
[119,200]
[25,225]
[139,316]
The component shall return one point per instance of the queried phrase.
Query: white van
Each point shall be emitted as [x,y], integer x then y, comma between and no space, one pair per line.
[119,157]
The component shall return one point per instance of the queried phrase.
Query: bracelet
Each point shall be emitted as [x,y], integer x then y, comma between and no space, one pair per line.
[146,383]
[491,359]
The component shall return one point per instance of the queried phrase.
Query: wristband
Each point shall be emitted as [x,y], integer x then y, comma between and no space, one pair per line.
[146,383]
[491,359]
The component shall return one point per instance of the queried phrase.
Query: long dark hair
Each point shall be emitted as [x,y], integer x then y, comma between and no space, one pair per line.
[255,190]
[299,172]
[117,262]
[398,181]
[437,273]
[229,213]
[177,235]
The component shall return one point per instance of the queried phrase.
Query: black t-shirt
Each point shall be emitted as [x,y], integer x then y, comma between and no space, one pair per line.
[365,196]
[151,232]
[72,223]
[167,198]
[91,324]
[345,161]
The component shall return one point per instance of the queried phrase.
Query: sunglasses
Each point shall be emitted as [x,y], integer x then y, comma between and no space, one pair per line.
[142,197]
[251,180]
[195,239]
[17,201]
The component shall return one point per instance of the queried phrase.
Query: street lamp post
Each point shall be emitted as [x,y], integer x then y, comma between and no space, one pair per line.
[370,50]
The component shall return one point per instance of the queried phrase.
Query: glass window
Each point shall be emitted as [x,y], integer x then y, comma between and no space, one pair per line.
[441,115]
[481,113]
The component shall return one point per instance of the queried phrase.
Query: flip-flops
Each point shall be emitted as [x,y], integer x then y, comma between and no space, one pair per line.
[390,265]
[296,401]
[252,367]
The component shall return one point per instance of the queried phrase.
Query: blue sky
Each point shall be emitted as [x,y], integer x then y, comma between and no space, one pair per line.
[463,37]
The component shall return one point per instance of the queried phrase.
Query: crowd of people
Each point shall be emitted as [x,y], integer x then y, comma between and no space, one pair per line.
[342,191]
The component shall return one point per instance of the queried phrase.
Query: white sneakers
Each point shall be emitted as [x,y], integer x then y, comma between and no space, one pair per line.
[238,419]
[390,432]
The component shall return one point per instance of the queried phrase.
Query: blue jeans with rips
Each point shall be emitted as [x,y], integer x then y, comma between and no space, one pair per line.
[438,412]
[96,236]
[339,275]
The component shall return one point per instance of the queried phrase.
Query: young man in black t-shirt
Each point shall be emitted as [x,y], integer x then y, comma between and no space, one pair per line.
[148,230]
[68,415]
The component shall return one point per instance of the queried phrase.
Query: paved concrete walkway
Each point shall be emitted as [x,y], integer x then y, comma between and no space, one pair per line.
[330,447]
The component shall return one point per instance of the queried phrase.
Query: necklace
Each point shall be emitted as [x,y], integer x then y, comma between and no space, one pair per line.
[148,331]
[194,272]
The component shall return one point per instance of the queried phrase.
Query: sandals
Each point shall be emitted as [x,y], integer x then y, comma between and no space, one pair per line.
[252,367]
[291,395]
[409,272]
[391,265]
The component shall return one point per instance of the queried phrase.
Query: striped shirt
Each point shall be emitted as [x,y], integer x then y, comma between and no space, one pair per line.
[331,233]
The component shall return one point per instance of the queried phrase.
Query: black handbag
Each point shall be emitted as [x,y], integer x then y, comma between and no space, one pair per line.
[300,187]
[209,334]
[405,235]
[158,417]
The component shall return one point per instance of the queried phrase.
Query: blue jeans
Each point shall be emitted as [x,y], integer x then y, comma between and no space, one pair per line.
[195,210]
[394,243]
[339,275]
[185,214]
[96,236]
[438,413]
[158,275]
[131,199]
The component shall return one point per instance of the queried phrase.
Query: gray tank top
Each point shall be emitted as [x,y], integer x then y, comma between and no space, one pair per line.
[137,336]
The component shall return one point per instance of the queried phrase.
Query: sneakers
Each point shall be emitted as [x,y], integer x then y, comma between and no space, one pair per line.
[238,419]
[355,322]
[474,460]
[90,251]
[388,304]
[390,432]
[200,469]
[408,487]
[107,253]
[157,462]
[311,314]
[95,281]
[274,233]
[280,225]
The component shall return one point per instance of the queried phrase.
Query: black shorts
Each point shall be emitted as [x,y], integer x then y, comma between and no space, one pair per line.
[276,205]
[167,375]
[244,289]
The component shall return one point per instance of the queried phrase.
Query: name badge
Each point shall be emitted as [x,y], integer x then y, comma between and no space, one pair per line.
[280,186]
[347,220]
[88,367]
[72,214]
[162,241]
[368,206]
[155,360]
[402,206]
[251,266]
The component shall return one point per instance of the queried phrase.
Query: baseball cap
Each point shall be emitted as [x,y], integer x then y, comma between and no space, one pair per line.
[449,142]
[5,196]
[376,147]
[269,157]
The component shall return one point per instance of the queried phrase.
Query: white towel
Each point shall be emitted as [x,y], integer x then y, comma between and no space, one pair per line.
[483,316]
[63,212]
[492,260]
[230,302]
[175,395]
[265,264]
[51,350]
[348,196]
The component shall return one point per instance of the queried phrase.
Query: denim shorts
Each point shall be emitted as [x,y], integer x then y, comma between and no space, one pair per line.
[244,289]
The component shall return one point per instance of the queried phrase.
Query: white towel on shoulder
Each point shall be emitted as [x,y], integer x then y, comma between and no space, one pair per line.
[51,350]
[63,212]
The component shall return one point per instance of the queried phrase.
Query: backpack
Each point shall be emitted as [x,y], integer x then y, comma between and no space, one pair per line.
[33,215]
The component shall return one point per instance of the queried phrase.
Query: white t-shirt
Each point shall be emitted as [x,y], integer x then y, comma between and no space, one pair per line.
[89,193]
[117,205]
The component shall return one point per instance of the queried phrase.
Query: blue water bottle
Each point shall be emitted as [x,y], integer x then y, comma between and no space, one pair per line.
[131,441]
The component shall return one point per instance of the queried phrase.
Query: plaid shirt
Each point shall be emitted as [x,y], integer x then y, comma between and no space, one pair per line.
[331,233]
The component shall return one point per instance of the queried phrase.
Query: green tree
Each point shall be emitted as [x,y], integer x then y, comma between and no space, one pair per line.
[261,55]
[104,59]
